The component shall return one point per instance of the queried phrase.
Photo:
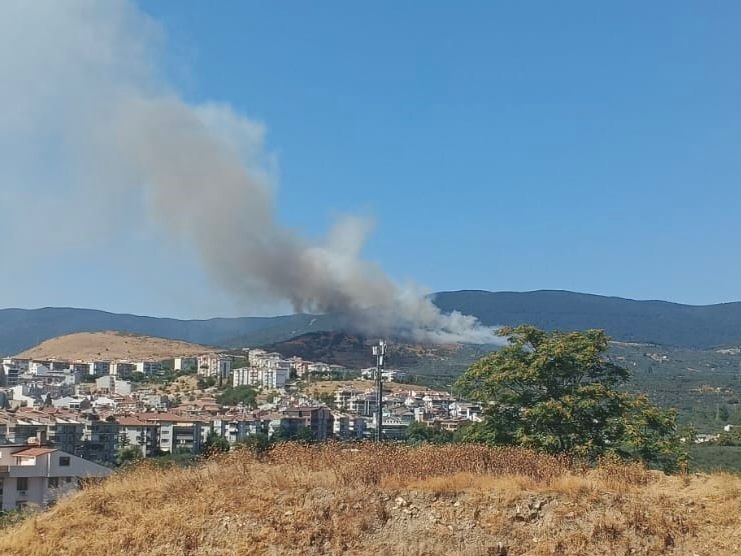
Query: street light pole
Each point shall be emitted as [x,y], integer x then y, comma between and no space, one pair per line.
[379,351]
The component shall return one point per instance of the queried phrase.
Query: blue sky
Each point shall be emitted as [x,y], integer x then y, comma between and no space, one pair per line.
[500,146]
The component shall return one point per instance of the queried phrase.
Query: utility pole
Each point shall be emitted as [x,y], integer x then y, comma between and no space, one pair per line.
[379,351]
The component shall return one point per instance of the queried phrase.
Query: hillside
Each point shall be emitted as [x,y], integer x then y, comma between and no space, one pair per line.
[353,351]
[659,322]
[391,500]
[628,320]
[703,385]
[111,345]
[21,329]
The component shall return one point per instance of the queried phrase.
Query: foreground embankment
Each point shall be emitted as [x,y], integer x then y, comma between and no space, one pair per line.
[334,499]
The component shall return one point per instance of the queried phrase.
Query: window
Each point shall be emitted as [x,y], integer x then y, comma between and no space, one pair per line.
[64,461]
[21,483]
[68,479]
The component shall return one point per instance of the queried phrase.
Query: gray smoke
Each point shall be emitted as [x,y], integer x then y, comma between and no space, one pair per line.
[83,79]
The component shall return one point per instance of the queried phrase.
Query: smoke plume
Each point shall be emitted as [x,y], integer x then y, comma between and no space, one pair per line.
[83,86]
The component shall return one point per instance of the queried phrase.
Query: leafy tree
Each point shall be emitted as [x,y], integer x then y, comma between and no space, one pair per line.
[729,438]
[215,444]
[419,433]
[208,382]
[302,434]
[256,443]
[127,455]
[239,394]
[556,392]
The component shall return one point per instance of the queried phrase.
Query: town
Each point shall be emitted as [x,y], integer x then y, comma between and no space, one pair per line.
[94,409]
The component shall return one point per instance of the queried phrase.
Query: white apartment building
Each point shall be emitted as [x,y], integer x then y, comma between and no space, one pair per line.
[185,363]
[216,365]
[37,475]
[114,385]
[149,368]
[272,378]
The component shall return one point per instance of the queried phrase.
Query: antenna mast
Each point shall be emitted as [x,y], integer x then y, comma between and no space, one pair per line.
[379,351]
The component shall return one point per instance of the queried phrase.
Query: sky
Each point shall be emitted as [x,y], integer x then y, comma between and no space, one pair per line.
[494,145]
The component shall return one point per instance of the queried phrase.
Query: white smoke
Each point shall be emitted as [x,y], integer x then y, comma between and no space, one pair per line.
[82,84]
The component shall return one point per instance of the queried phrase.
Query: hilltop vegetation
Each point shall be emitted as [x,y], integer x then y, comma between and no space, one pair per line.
[335,499]
[627,320]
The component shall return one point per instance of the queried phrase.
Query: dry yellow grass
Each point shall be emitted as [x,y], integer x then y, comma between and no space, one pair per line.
[111,345]
[333,499]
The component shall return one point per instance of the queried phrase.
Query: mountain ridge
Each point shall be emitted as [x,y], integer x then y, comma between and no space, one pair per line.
[644,321]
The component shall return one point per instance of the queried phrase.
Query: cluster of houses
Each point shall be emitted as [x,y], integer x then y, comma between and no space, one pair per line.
[62,421]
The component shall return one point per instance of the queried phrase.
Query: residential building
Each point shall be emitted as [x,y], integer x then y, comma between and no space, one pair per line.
[183,364]
[37,475]
[215,365]
[136,432]
[273,377]
[318,420]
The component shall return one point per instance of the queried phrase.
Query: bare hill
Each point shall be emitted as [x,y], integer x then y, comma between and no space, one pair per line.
[366,499]
[112,345]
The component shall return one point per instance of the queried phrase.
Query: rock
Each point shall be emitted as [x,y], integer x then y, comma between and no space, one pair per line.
[400,502]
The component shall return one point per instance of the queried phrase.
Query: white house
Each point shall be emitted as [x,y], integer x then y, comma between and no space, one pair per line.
[37,475]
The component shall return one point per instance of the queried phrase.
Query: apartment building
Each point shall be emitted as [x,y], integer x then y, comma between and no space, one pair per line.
[319,420]
[144,435]
[215,365]
[273,377]
[177,432]
[37,475]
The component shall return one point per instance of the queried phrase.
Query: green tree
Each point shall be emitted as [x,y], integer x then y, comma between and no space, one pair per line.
[419,433]
[258,443]
[239,394]
[301,434]
[215,444]
[556,392]
[127,455]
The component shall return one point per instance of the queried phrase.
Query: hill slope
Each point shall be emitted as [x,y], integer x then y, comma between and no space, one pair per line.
[624,319]
[21,329]
[352,351]
[389,500]
[627,320]
[111,345]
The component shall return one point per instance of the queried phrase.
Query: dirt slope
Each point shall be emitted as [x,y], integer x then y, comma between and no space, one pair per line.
[330,499]
[111,345]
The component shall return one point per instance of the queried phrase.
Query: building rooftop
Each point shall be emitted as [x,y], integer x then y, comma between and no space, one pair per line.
[33,452]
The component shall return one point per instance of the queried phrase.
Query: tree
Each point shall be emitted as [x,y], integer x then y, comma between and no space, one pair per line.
[215,444]
[556,392]
[239,394]
[127,455]
[258,443]
[419,433]
[301,434]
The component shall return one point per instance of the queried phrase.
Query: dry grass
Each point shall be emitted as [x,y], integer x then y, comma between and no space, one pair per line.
[108,346]
[332,499]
